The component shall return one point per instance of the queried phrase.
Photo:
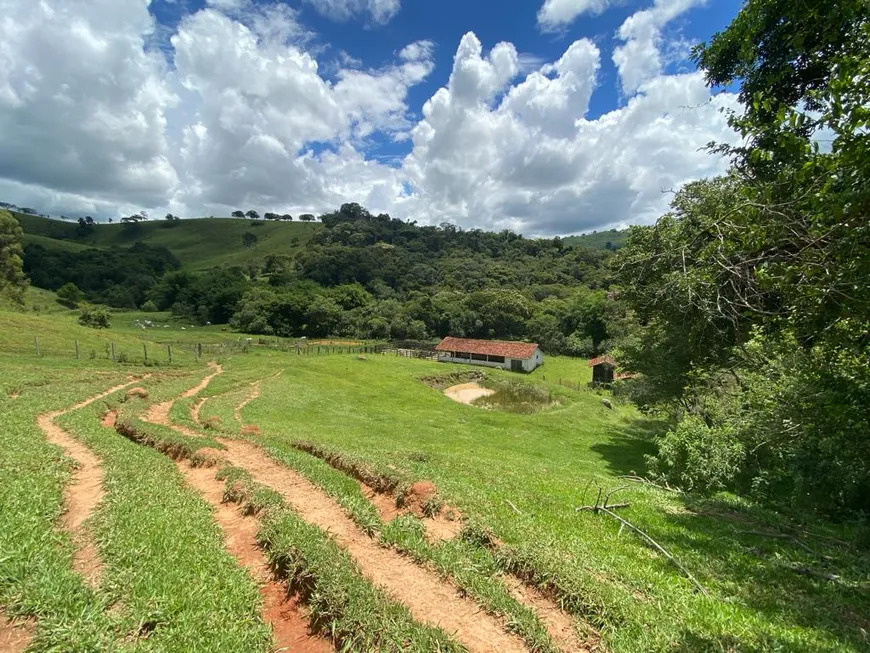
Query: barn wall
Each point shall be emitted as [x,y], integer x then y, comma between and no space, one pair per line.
[530,364]
[446,358]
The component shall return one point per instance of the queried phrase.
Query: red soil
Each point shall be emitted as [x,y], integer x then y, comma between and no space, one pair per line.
[159,413]
[140,393]
[288,621]
[15,634]
[384,503]
[429,598]
[85,489]
[559,624]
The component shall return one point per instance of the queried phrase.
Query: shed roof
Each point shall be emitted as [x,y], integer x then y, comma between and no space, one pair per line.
[520,350]
[602,359]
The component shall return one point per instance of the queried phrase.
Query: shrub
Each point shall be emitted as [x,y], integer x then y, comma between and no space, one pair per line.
[515,396]
[697,458]
[69,295]
[150,306]
[95,318]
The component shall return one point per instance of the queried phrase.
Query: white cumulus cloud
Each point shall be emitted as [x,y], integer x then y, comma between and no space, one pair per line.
[94,120]
[639,58]
[259,105]
[524,156]
[556,14]
[82,103]
[379,11]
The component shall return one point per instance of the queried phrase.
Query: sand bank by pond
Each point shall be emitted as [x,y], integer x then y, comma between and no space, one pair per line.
[465,393]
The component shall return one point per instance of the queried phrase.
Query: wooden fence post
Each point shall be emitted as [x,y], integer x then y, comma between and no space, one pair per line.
[78,355]
[145,350]
[169,349]
[36,342]
[113,352]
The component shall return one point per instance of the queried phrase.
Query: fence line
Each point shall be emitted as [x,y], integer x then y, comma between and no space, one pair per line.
[156,353]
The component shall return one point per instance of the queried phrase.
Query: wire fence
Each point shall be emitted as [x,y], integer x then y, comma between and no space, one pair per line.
[178,352]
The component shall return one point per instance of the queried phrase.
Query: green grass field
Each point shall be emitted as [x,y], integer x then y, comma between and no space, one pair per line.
[514,480]
[599,239]
[200,244]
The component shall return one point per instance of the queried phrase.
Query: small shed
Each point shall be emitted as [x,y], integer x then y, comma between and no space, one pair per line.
[513,356]
[603,370]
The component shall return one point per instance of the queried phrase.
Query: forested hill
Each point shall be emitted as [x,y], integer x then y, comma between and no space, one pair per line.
[353,274]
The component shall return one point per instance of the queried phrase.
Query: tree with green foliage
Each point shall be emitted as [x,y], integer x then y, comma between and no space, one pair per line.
[95,318]
[13,282]
[752,292]
[238,214]
[69,295]
[253,215]
[249,239]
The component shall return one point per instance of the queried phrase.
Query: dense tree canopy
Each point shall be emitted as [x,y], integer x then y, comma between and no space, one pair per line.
[752,292]
[119,277]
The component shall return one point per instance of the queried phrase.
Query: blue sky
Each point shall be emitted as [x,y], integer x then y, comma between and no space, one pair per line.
[579,120]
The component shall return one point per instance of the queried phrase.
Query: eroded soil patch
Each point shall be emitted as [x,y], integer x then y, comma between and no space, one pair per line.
[444,381]
[429,599]
[109,419]
[559,624]
[15,634]
[85,489]
[289,623]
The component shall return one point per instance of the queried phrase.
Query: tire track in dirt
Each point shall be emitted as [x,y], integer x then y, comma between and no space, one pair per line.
[15,634]
[159,413]
[282,612]
[85,489]
[254,394]
[428,598]
[559,624]
[194,410]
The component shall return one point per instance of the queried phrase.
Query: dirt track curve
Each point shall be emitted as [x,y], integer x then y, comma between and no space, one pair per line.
[289,624]
[85,489]
[426,595]
[428,598]
[159,413]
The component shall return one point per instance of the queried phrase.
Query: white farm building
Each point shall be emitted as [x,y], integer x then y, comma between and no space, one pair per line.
[513,356]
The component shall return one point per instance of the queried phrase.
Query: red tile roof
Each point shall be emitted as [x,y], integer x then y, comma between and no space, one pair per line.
[520,350]
[602,359]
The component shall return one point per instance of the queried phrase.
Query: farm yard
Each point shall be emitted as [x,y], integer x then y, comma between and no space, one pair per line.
[264,500]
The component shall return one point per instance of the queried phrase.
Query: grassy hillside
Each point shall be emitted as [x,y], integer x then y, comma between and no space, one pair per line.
[199,244]
[599,239]
[514,482]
